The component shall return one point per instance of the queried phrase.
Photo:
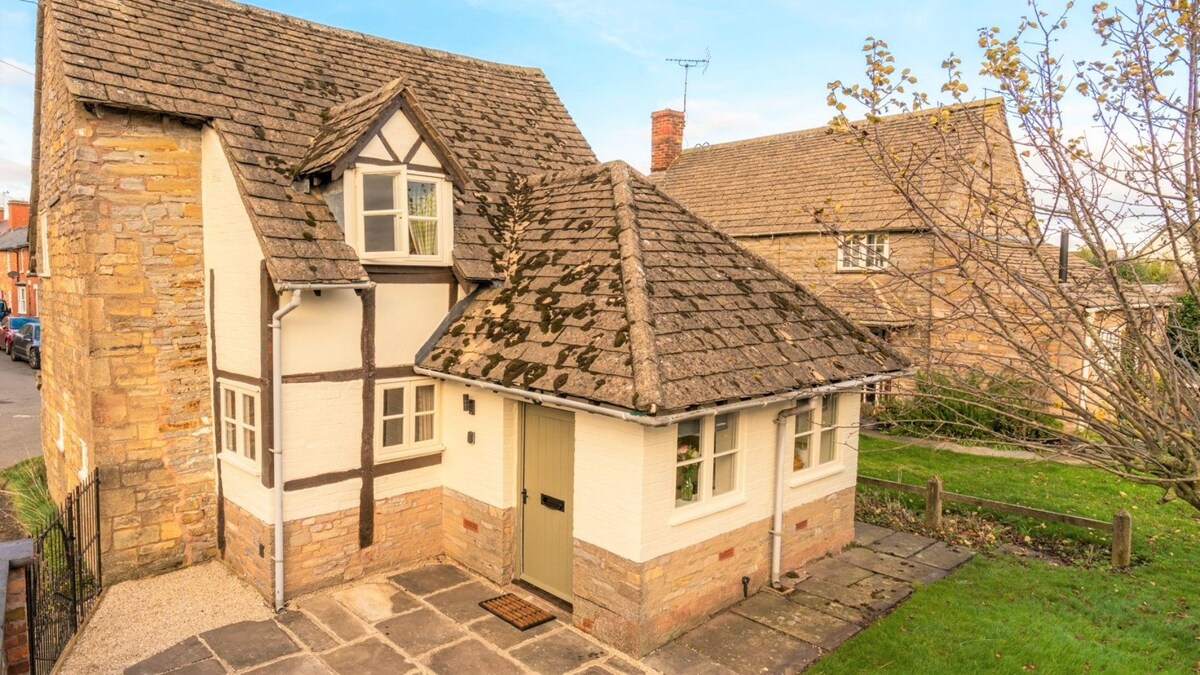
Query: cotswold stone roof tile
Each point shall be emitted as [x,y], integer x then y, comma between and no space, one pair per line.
[614,293]
[242,68]
[818,180]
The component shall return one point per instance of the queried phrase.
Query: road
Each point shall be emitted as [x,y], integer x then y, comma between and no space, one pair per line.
[20,403]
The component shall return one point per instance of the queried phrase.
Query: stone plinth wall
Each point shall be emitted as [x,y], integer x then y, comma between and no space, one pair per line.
[637,607]
[479,535]
[324,550]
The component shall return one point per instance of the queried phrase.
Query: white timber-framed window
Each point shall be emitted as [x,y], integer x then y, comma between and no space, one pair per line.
[708,459]
[402,215]
[861,252]
[44,246]
[22,300]
[816,440]
[407,418]
[241,424]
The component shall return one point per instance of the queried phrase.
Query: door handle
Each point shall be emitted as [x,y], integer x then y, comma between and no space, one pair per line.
[553,503]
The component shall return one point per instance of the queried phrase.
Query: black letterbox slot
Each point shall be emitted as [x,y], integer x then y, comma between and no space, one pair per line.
[552,503]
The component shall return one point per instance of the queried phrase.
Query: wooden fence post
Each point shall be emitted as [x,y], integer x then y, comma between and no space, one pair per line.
[933,503]
[1122,542]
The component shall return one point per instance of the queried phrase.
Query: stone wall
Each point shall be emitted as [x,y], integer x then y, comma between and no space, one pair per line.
[479,535]
[324,550]
[124,325]
[637,607]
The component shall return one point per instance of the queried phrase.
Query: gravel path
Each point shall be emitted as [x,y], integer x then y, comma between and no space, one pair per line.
[137,619]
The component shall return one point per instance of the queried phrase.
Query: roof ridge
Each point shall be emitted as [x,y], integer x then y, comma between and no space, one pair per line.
[825,129]
[373,38]
[647,379]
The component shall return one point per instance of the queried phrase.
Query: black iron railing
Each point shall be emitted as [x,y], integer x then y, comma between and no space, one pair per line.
[63,583]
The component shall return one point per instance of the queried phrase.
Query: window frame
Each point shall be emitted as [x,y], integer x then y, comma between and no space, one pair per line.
[445,218]
[816,433]
[410,447]
[871,244]
[707,464]
[44,247]
[22,300]
[236,454]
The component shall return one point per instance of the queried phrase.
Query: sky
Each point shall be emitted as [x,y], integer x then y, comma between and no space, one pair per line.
[770,59]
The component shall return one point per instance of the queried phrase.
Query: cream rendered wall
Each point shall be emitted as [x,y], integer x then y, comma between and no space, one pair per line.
[401,135]
[231,249]
[488,469]
[246,490]
[405,316]
[323,334]
[610,483]
[665,528]
[322,427]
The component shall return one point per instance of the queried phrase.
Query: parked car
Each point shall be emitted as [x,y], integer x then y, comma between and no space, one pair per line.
[9,326]
[27,345]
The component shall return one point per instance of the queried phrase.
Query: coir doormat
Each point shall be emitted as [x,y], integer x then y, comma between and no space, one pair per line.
[518,612]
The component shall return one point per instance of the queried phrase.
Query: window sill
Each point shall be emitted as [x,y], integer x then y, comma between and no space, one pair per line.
[408,261]
[860,270]
[816,474]
[381,456]
[686,514]
[250,467]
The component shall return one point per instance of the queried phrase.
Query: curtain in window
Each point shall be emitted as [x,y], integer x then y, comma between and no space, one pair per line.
[422,218]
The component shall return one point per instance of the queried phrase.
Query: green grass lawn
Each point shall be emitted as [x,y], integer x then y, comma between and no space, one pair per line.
[1002,613]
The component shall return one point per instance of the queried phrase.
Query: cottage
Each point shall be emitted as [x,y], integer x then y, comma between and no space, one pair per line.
[322,304]
[18,288]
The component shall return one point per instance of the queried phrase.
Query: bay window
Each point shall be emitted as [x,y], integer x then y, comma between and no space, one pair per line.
[707,458]
[406,419]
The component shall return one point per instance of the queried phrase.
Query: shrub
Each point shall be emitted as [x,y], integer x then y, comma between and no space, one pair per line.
[1183,329]
[25,483]
[971,405]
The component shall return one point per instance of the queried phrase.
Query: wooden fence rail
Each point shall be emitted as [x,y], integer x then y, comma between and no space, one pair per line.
[1121,526]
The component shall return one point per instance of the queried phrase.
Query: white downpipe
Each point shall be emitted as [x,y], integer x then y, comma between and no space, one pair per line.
[277,435]
[777,520]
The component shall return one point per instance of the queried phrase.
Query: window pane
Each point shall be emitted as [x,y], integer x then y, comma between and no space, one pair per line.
[229,406]
[422,236]
[800,453]
[424,430]
[829,411]
[725,433]
[687,483]
[248,409]
[724,473]
[803,422]
[393,402]
[230,437]
[828,446]
[689,441]
[248,448]
[377,192]
[393,432]
[425,398]
[422,200]
[380,233]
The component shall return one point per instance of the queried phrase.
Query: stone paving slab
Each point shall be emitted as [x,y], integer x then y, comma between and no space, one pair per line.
[313,636]
[944,556]
[333,616]
[892,566]
[560,652]
[903,544]
[470,656]
[190,651]
[836,571]
[830,607]
[678,658]
[866,534]
[461,603]
[209,667]
[502,634]
[370,657]
[824,630]
[745,646]
[374,602]
[430,579]
[303,664]
[249,643]
[420,631]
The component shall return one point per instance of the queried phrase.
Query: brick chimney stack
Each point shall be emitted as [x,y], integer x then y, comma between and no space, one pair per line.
[666,138]
[16,213]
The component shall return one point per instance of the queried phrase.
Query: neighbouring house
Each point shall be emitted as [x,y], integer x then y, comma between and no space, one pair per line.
[18,288]
[1173,245]
[320,303]
[817,204]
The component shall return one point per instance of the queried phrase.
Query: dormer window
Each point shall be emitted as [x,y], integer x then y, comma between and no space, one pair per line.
[404,215]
